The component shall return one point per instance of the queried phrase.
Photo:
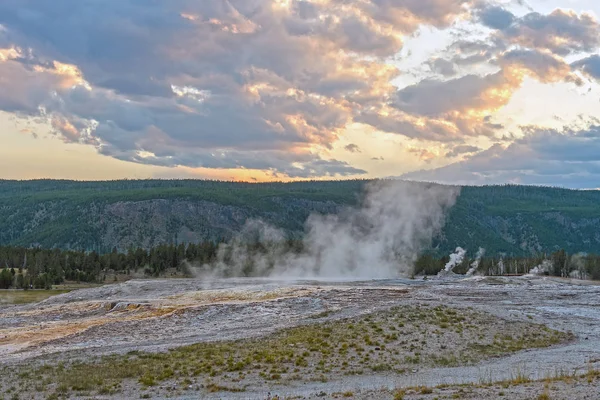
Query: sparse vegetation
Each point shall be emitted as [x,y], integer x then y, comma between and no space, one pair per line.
[498,388]
[27,296]
[313,353]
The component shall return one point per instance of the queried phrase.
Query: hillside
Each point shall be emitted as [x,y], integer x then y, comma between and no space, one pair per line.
[516,220]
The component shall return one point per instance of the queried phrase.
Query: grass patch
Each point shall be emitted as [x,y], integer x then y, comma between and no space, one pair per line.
[27,296]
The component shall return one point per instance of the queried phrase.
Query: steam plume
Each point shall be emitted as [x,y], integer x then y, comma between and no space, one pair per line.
[380,239]
[578,266]
[475,264]
[455,259]
[541,269]
[501,266]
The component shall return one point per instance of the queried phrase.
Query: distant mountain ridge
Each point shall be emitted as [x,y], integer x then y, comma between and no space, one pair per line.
[514,220]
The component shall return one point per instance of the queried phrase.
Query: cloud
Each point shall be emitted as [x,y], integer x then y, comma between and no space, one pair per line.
[495,17]
[562,31]
[543,66]
[462,149]
[423,154]
[590,66]
[442,67]
[449,110]
[543,157]
[471,52]
[352,148]
[434,97]
[268,84]
[222,84]
[408,14]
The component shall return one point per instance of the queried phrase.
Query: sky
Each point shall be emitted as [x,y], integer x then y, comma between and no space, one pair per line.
[451,91]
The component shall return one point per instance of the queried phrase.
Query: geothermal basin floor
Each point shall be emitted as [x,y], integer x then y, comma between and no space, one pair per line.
[158,315]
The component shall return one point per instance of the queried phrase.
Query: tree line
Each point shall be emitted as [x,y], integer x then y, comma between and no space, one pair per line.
[38,268]
[559,263]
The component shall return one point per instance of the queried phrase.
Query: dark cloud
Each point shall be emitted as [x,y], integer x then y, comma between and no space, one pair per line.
[275,162]
[403,124]
[434,97]
[562,31]
[472,52]
[589,66]
[442,67]
[543,157]
[495,17]
[352,148]
[462,149]
[23,89]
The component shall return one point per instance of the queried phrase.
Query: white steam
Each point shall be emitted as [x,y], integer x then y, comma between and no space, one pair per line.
[475,264]
[380,239]
[541,269]
[501,267]
[236,259]
[455,259]
[578,267]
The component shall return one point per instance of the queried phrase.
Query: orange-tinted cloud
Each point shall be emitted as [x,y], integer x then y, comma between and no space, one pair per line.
[223,84]
[261,85]
[450,110]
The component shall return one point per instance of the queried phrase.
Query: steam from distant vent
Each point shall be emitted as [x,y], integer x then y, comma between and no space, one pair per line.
[379,239]
[455,259]
[254,251]
[541,269]
[501,268]
[476,262]
[579,270]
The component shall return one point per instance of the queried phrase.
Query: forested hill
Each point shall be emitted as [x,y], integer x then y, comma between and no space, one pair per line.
[515,220]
